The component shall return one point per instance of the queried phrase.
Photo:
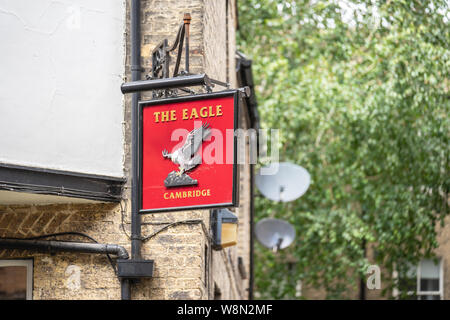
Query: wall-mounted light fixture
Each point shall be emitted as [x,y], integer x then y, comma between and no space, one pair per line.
[224,226]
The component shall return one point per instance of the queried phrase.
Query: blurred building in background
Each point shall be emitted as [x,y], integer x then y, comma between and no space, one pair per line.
[429,280]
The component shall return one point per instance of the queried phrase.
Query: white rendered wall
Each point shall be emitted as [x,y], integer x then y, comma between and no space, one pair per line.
[61,67]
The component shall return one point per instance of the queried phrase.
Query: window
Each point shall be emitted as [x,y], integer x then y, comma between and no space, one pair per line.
[424,282]
[429,282]
[16,278]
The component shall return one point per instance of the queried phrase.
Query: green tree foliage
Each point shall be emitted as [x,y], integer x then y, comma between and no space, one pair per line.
[359,91]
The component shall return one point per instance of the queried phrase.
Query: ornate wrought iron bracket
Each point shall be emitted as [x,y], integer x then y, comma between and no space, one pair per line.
[159,80]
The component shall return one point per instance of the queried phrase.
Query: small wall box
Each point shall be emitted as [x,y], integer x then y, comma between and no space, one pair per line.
[135,269]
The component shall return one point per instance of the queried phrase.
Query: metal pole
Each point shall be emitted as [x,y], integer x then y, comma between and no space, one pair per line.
[187,22]
[125,289]
[166,83]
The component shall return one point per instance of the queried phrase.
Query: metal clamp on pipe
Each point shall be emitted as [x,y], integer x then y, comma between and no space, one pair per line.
[134,269]
[245,92]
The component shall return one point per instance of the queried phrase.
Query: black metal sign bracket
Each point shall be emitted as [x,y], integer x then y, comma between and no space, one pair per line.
[159,80]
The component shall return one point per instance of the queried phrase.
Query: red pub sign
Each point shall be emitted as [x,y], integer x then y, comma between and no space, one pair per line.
[188,152]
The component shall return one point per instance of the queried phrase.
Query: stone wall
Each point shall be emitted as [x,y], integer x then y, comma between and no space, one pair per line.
[66,275]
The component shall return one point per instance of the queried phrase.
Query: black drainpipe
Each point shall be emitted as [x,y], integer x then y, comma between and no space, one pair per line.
[68,246]
[136,239]
[135,75]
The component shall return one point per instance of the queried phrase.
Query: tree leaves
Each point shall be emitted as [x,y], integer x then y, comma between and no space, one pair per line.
[362,103]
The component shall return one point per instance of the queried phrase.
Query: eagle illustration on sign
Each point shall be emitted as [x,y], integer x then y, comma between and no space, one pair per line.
[186,158]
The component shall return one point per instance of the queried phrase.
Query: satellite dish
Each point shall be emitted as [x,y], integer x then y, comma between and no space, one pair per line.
[274,234]
[289,183]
